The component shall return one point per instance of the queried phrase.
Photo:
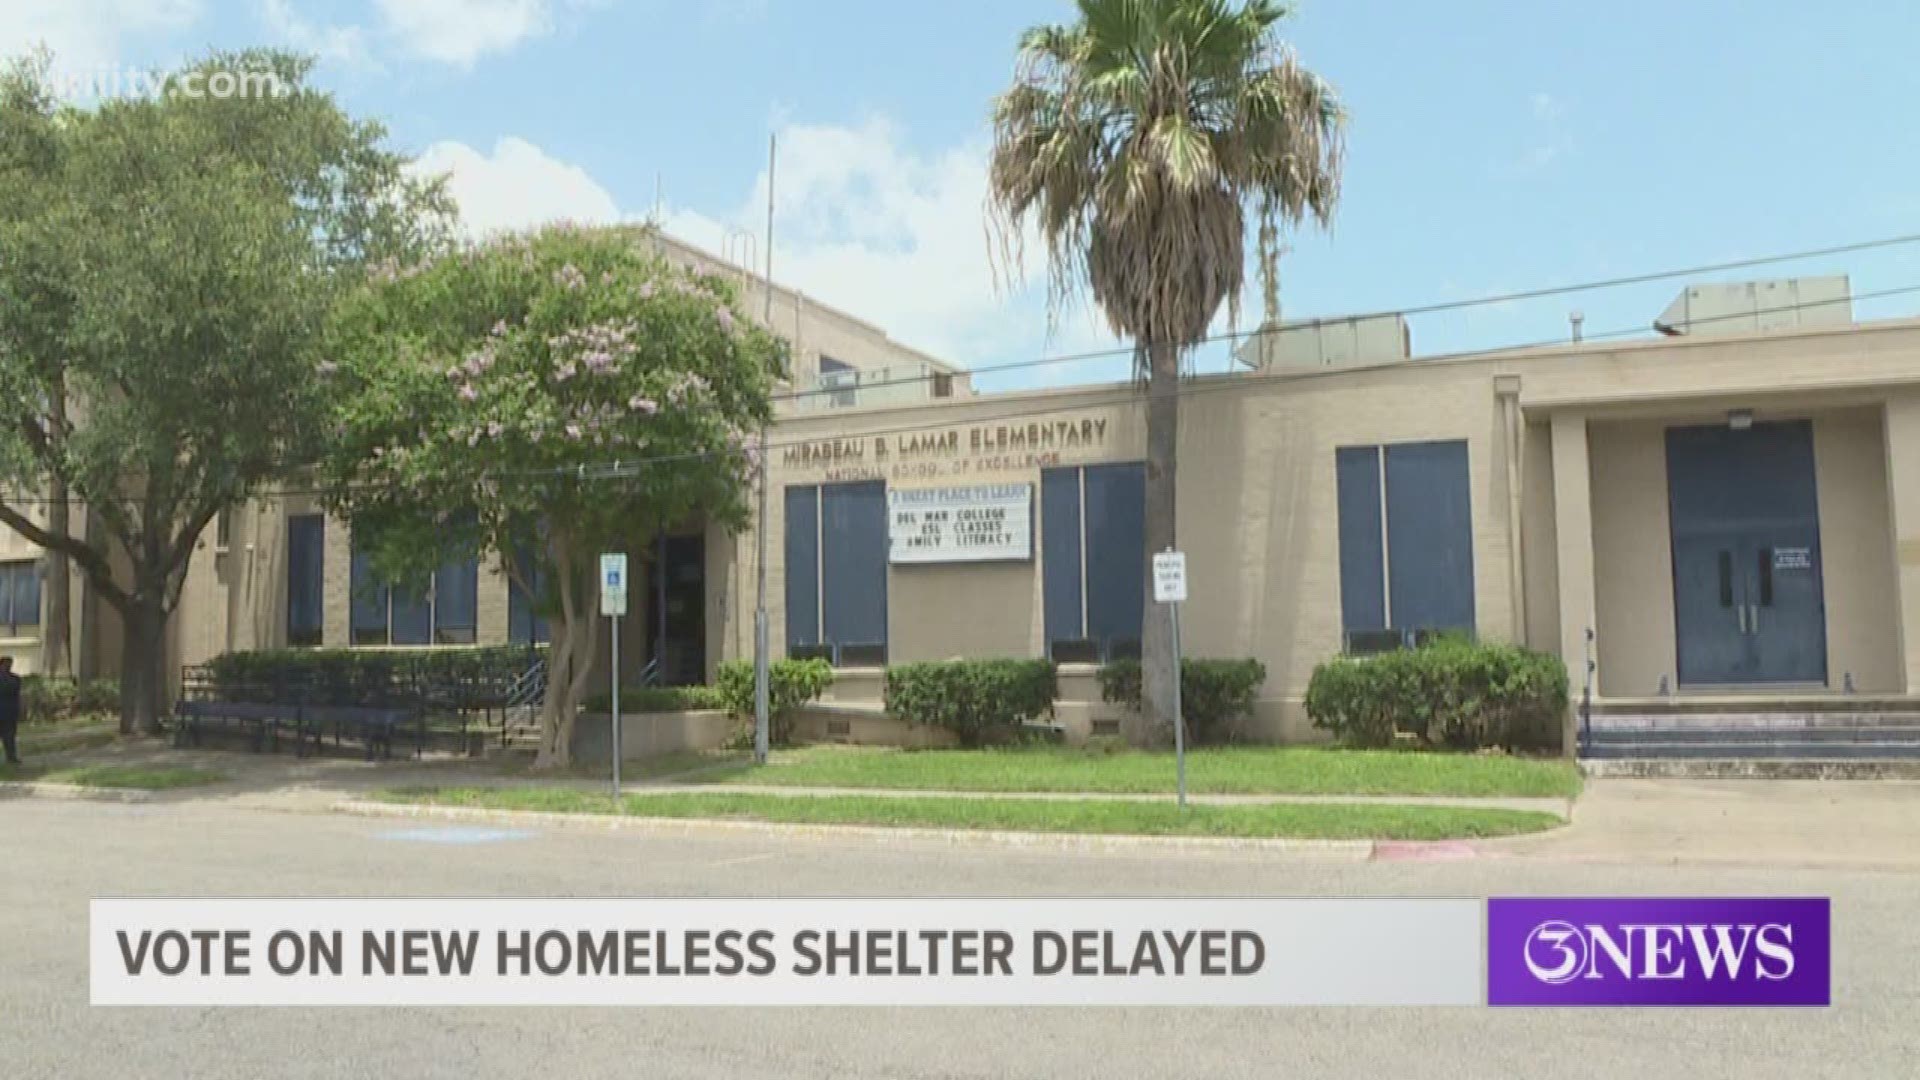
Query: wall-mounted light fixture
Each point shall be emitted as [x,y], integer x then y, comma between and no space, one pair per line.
[1740,419]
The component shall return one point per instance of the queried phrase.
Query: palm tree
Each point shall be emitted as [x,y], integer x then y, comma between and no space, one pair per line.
[1137,140]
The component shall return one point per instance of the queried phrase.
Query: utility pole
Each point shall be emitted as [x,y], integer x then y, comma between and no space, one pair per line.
[761,722]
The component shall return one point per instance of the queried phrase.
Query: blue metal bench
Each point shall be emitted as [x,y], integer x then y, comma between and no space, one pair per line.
[261,724]
[378,730]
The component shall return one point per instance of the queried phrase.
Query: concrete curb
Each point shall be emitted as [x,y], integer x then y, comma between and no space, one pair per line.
[1348,850]
[34,789]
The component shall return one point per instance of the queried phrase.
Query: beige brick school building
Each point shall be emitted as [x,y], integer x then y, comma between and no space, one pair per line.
[1727,513]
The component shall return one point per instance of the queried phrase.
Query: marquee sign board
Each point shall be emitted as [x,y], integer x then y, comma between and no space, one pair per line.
[983,523]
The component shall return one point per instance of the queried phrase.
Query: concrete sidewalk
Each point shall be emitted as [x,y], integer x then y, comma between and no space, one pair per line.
[1849,824]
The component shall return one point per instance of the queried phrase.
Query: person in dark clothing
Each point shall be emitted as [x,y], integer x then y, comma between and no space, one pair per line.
[9,710]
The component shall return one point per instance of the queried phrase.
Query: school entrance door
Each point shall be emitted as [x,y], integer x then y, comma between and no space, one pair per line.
[1746,556]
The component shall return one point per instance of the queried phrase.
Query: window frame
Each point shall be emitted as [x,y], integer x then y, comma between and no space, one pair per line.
[391,594]
[870,653]
[1086,649]
[11,572]
[1368,552]
[308,637]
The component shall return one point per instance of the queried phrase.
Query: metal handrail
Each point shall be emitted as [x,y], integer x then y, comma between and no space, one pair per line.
[1586,701]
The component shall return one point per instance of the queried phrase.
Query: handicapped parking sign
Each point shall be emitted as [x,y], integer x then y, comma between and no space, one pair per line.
[613,584]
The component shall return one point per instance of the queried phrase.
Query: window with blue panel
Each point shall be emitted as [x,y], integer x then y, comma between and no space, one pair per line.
[412,615]
[369,603]
[803,570]
[19,597]
[836,559]
[525,624]
[1406,542]
[306,575]
[1093,524]
[456,602]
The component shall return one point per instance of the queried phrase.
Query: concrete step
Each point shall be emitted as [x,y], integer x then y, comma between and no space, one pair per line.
[1726,705]
[1723,733]
[1756,721]
[1735,749]
[1753,768]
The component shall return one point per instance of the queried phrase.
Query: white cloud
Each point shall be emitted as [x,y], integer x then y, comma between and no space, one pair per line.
[1552,140]
[518,187]
[899,238]
[459,32]
[86,35]
[863,223]
[347,44]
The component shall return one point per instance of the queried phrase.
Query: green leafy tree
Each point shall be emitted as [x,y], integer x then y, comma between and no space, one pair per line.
[544,397]
[166,268]
[1135,141]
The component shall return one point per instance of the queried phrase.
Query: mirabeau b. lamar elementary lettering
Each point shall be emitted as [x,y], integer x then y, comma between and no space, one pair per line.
[856,458]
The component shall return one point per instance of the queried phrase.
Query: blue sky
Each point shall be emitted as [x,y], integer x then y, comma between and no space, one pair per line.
[1494,147]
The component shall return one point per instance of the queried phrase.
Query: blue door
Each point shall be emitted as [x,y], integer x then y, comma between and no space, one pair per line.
[1746,555]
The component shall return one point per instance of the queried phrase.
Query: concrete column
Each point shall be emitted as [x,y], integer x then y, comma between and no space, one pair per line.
[493,602]
[1507,389]
[336,589]
[1903,500]
[1573,528]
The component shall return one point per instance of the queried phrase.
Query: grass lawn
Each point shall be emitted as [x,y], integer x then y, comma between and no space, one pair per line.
[116,776]
[1323,821]
[1251,770]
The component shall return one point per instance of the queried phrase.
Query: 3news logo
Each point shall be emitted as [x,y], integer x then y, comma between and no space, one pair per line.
[1655,952]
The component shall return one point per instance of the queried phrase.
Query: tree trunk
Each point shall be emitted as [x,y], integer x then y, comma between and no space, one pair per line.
[1154,727]
[569,665]
[142,664]
[56,655]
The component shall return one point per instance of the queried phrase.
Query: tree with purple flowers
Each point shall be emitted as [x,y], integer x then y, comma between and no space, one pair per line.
[542,398]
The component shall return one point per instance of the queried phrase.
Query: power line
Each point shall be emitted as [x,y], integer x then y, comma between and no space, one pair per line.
[1420,309]
[618,469]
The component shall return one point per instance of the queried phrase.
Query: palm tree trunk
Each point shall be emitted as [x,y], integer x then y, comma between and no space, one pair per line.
[1155,726]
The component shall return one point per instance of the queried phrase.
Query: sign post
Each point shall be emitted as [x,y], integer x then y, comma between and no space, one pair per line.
[613,604]
[1170,588]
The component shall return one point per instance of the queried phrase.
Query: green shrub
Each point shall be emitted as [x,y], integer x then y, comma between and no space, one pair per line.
[977,700]
[365,676]
[790,684]
[1215,695]
[658,699]
[1450,693]
[46,700]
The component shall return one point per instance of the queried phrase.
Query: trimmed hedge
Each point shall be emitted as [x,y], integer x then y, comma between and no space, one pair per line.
[44,700]
[978,700]
[1450,693]
[659,699]
[790,684]
[366,676]
[1215,695]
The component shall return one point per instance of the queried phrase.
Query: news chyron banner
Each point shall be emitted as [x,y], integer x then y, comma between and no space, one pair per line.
[960,952]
